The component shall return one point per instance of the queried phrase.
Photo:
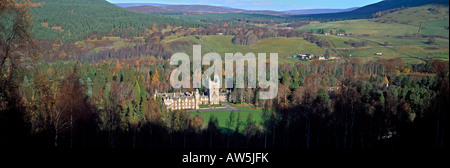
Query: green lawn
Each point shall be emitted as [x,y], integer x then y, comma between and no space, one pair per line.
[247,108]
[223,117]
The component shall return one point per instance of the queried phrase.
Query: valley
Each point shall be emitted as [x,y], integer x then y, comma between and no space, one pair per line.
[90,73]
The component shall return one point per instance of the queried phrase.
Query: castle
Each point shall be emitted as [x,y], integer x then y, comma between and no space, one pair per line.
[193,100]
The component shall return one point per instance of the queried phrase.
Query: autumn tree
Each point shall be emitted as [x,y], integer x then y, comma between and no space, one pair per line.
[71,108]
[431,40]
[155,78]
[154,28]
[16,22]
[15,42]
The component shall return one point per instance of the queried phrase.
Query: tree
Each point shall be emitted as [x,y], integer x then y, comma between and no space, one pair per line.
[212,128]
[320,31]
[230,122]
[431,40]
[15,42]
[323,99]
[155,78]
[386,43]
[15,25]
[71,107]
[327,54]
[154,28]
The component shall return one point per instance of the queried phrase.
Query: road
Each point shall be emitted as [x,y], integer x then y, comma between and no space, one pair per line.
[227,107]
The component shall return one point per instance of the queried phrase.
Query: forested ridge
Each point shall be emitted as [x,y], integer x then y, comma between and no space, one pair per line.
[75,20]
[367,11]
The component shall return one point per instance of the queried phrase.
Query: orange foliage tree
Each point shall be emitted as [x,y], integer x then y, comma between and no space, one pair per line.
[15,25]
[155,78]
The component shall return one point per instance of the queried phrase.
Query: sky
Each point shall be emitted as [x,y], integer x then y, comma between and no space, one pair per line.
[277,5]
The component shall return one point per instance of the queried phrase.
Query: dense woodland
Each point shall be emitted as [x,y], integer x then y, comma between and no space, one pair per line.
[74,20]
[236,19]
[73,100]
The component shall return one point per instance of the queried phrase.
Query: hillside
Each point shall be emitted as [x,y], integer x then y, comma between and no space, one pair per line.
[73,20]
[126,5]
[367,11]
[429,15]
[363,26]
[318,11]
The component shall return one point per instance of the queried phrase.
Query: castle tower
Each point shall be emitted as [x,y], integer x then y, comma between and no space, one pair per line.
[197,99]
[155,94]
[213,90]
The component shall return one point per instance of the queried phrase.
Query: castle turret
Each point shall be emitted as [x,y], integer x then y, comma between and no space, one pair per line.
[155,94]
[213,90]
[197,99]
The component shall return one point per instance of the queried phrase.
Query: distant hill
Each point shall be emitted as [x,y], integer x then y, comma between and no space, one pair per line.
[126,5]
[203,9]
[200,9]
[151,9]
[367,11]
[318,11]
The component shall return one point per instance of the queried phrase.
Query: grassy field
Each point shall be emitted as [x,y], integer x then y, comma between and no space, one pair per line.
[412,50]
[184,45]
[223,117]
[340,42]
[415,15]
[364,26]
[250,109]
[285,47]
[394,24]
[410,54]
[96,45]
[433,18]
